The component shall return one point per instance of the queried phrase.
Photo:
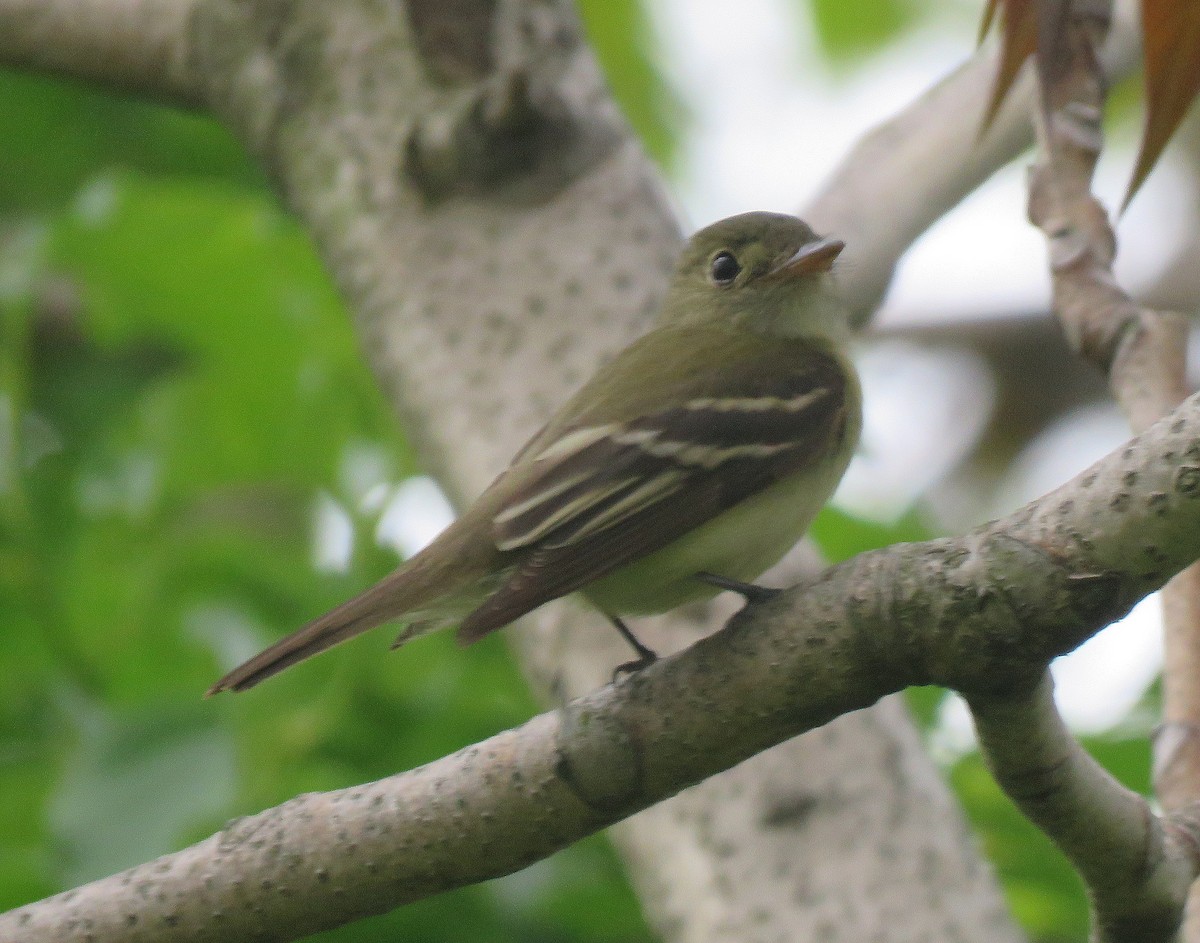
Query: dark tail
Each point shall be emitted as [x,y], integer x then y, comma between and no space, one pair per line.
[386,600]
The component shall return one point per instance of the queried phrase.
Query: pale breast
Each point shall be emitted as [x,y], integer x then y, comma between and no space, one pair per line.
[740,543]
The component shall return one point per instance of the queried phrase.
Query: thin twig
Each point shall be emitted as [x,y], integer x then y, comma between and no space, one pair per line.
[1141,351]
[1137,868]
[129,45]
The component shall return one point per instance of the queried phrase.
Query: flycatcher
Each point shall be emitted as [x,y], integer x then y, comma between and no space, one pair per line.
[692,462]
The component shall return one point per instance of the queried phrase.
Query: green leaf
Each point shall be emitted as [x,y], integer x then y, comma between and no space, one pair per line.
[925,704]
[58,133]
[841,536]
[136,784]
[849,30]
[622,38]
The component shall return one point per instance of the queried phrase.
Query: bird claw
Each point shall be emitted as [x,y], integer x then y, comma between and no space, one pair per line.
[646,656]
[633,667]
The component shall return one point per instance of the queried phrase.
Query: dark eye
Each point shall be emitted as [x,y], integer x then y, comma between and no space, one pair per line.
[724,268]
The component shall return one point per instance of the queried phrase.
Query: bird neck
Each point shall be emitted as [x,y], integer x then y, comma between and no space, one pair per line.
[783,311]
[818,313]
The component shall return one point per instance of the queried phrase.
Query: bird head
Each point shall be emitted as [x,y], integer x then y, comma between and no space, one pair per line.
[766,272]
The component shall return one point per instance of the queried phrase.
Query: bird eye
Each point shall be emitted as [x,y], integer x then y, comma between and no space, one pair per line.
[724,268]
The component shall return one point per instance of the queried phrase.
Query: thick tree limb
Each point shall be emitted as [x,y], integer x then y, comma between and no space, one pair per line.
[138,46]
[982,613]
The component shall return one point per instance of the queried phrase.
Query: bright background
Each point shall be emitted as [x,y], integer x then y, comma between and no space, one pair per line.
[168,343]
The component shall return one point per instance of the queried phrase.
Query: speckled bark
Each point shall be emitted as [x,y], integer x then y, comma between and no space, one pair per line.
[1138,866]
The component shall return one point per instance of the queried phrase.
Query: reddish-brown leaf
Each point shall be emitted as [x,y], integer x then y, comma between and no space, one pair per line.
[1018,39]
[1171,39]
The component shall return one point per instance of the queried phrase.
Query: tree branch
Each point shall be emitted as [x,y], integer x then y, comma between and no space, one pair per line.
[1143,354]
[982,613]
[138,46]
[1137,867]
[889,169]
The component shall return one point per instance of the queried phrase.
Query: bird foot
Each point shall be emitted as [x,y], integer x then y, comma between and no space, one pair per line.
[633,667]
[751,592]
[646,656]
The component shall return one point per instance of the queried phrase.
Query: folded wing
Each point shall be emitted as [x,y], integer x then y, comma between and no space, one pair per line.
[600,496]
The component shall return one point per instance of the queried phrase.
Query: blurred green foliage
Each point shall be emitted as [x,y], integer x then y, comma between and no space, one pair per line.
[847,31]
[622,35]
[179,391]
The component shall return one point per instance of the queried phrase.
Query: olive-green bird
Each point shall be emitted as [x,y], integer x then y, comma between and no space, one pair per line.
[691,462]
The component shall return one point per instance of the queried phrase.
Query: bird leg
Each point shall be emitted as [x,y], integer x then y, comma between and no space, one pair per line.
[751,592]
[645,658]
